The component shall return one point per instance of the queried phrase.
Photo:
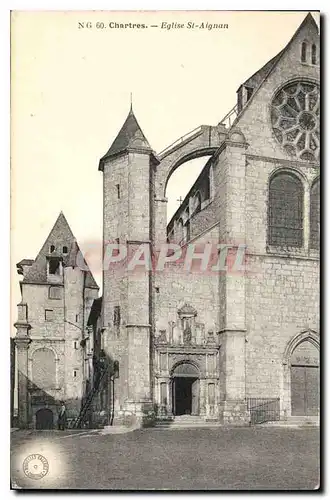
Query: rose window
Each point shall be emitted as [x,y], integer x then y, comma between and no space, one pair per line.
[295,115]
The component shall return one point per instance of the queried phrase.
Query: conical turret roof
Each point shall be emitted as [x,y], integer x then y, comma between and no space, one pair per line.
[130,137]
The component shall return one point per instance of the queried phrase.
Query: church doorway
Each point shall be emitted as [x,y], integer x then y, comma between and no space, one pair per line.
[44,419]
[185,396]
[185,390]
[305,384]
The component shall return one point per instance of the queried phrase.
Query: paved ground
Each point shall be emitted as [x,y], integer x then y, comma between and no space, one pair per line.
[184,459]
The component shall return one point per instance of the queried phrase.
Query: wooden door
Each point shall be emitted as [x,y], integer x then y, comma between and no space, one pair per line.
[298,390]
[305,390]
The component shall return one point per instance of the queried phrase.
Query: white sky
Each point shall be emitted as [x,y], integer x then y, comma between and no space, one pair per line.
[70,96]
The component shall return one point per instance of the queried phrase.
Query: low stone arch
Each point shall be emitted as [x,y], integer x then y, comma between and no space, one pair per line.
[309,335]
[44,419]
[304,336]
[185,368]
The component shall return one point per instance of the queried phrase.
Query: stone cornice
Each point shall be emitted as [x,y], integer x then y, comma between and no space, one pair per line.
[22,342]
[138,242]
[282,161]
[47,339]
[22,324]
[232,330]
[137,325]
[181,349]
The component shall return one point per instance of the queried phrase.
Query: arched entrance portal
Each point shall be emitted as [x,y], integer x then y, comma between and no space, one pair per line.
[185,390]
[305,384]
[44,419]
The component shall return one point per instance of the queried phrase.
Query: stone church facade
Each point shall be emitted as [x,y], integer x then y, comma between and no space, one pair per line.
[209,343]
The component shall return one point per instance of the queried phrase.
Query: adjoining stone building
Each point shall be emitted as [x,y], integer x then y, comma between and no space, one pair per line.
[208,344]
[57,295]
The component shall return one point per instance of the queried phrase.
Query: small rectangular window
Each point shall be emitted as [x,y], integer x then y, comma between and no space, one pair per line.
[118,191]
[75,344]
[55,292]
[77,318]
[75,373]
[116,316]
[116,250]
[49,314]
[54,266]
[249,92]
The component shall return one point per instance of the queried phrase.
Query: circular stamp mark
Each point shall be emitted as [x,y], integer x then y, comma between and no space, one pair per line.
[35,466]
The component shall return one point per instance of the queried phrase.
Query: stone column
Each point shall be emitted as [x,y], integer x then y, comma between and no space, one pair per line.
[22,344]
[233,332]
[233,408]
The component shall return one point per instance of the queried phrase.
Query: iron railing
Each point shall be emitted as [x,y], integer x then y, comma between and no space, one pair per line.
[263,410]
[230,117]
[189,135]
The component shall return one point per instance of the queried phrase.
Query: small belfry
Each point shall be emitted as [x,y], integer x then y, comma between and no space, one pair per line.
[176,344]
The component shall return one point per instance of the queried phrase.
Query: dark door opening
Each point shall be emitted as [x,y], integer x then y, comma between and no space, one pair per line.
[44,419]
[185,396]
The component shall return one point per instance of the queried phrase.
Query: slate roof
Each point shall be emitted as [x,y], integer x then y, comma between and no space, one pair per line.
[60,235]
[130,136]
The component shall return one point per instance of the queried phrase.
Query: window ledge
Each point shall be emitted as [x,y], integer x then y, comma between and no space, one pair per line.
[289,251]
[310,64]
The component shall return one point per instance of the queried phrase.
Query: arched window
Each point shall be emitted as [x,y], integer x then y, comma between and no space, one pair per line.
[314,56]
[186,232]
[179,230]
[211,182]
[315,216]
[303,51]
[197,203]
[285,221]
[44,368]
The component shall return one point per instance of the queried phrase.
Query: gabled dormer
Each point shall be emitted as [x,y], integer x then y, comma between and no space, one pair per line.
[60,250]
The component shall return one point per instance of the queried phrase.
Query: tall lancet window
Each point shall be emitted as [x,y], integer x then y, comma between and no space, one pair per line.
[315,216]
[303,52]
[211,182]
[285,216]
[314,54]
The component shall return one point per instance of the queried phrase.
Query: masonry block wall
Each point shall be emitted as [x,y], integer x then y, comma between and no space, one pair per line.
[198,288]
[126,304]
[282,285]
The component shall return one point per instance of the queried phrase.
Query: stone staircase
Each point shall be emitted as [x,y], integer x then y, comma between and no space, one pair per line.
[185,422]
